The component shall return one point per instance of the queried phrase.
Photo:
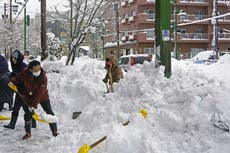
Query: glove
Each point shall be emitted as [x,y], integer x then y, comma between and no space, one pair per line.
[105,80]
[31,110]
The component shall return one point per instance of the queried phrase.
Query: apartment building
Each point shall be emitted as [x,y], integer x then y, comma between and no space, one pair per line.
[137,21]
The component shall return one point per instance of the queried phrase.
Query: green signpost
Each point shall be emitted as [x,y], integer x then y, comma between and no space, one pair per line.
[163,38]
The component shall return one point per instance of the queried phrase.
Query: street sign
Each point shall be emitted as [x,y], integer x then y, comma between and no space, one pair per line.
[165,35]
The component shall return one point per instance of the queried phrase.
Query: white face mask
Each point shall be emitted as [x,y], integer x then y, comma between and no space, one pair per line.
[37,73]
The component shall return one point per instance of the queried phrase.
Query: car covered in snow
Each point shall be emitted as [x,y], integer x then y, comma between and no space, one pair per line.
[128,61]
[205,57]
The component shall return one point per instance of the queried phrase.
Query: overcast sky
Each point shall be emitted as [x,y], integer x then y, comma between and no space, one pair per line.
[33,6]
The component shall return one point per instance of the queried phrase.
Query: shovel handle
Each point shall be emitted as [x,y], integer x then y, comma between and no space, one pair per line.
[103,138]
[15,89]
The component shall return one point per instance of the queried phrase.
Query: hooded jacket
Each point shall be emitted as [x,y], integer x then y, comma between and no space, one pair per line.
[18,67]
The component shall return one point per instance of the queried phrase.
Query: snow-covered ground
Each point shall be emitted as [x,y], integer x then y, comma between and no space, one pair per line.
[179,110]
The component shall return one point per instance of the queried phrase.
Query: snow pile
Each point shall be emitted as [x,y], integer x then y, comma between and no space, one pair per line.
[179,109]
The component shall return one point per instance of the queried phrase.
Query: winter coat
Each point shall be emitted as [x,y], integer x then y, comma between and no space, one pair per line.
[35,88]
[116,71]
[3,65]
[18,67]
[5,92]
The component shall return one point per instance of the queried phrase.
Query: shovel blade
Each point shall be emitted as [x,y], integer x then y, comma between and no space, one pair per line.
[38,118]
[4,117]
[46,118]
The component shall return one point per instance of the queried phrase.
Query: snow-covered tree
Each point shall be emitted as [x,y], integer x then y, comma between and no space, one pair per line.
[54,47]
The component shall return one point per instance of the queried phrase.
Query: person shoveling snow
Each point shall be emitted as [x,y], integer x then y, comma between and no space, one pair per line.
[35,92]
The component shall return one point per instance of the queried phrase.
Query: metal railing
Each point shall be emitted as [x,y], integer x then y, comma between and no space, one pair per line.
[224,36]
[193,36]
[193,1]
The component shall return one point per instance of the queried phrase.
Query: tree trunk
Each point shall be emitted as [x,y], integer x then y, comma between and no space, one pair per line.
[74,54]
[68,58]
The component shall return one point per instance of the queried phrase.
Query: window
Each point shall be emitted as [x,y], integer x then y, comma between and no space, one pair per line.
[140,60]
[150,33]
[148,50]
[123,61]
[133,13]
[194,51]
[150,14]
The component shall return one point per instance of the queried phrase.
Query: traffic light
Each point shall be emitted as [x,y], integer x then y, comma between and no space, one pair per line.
[28,20]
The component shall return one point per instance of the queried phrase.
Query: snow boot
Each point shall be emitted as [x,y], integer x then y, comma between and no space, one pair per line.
[26,136]
[12,123]
[28,130]
[34,123]
[53,128]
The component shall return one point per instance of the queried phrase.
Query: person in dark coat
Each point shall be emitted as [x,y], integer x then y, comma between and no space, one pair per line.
[35,92]
[6,95]
[17,65]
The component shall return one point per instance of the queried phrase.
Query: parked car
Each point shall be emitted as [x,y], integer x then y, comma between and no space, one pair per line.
[224,53]
[126,62]
[205,57]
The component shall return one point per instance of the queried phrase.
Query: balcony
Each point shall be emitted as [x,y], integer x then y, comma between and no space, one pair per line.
[224,20]
[124,38]
[145,2]
[224,36]
[131,37]
[196,37]
[143,38]
[184,18]
[194,2]
[224,2]
[144,18]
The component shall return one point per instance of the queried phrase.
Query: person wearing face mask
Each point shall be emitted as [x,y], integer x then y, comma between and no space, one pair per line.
[35,92]
[17,65]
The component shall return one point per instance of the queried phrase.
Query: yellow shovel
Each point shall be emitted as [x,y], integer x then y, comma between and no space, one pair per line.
[4,117]
[86,148]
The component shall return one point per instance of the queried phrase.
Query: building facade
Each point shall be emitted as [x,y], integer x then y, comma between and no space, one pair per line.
[137,32]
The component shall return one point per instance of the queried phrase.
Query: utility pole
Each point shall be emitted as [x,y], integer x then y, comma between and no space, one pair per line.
[162,35]
[10,11]
[176,55]
[11,27]
[103,39]
[71,26]
[5,16]
[117,27]
[43,29]
[24,25]
[215,28]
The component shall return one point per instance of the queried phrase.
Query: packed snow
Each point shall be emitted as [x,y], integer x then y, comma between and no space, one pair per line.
[179,110]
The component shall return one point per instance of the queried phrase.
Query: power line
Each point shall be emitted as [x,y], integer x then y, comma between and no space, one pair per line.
[24,5]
